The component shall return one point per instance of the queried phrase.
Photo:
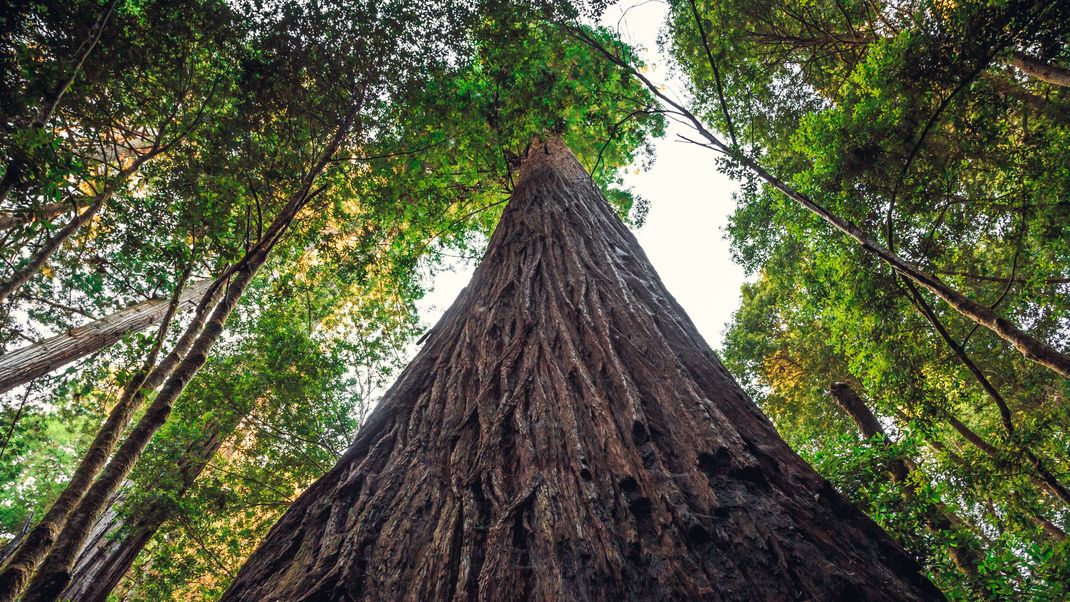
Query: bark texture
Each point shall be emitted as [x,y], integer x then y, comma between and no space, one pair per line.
[23,365]
[566,434]
[1037,69]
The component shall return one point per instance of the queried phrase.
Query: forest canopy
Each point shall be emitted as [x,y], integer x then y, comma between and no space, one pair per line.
[216,219]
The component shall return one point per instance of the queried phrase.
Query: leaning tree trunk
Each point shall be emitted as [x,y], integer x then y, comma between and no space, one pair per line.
[23,365]
[566,434]
[111,549]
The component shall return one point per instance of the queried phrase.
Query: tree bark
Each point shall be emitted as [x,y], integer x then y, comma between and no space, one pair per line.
[1037,69]
[938,518]
[566,434]
[23,365]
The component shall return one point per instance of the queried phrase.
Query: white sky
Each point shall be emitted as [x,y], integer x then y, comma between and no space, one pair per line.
[689,206]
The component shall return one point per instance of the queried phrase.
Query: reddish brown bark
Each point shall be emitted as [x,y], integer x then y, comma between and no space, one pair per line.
[566,434]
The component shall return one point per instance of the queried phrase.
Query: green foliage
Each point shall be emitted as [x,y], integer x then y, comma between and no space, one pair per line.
[904,118]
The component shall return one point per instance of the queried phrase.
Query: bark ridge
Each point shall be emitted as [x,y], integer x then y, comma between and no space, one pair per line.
[566,434]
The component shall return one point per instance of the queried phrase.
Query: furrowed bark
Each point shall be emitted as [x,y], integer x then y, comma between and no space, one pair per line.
[13,172]
[938,518]
[1037,69]
[1026,344]
[23,365]
[566,434]
[54,574]
[16,571]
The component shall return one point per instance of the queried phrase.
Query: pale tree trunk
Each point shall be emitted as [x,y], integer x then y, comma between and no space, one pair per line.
[10,219]
[938,518]
[13,171]
[566,434]
[23,365]
[16,570]
[54,574]
[1037,69]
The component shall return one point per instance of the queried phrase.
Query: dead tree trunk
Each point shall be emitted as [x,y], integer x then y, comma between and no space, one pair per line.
[566,434]
[23,365]
[938,518]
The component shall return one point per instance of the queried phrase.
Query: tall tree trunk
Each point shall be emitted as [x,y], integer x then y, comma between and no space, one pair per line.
[23,365]
[10,219]
[54,574]
[16,570]
[566,434]
[106,558]
[1029,346]
[1037,69]
[938,518]
[13,171]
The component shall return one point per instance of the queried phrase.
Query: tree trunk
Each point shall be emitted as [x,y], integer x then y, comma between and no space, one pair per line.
[1037,69]
[105,558]
[10,219]
[938,518]
[566,434]
[54,574]
[23,365]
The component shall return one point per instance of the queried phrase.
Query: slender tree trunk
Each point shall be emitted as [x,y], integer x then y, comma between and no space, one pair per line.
[938,518]
[16,571]
[13,172]
[566,434]
[10,219]
[27,270]
[54,574]
[105,559]
[1037,69]
[1028,345]
[23,365]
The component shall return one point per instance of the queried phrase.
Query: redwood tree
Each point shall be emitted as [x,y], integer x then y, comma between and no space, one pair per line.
[566,434]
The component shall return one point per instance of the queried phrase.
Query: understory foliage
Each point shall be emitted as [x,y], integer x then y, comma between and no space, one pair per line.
[912,120]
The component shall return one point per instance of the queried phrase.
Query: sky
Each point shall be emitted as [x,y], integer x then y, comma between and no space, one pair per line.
[689,205]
